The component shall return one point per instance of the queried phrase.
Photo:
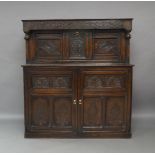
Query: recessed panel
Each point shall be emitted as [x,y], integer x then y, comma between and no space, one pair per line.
[106,46]
[40,111]
[115,111]
[92,112]
[49,46]
[62,108]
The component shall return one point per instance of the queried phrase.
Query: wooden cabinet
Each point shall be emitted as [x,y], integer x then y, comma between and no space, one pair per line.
[79,101]
[77,80]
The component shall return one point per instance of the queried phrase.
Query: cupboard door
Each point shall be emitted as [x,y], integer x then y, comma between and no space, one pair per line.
[109,46]
[103,106]
[102,113]
[51,108]
[45,47]
[52,112]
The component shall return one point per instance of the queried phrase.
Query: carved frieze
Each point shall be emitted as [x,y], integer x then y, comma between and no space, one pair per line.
[51,82]
[40,82]
[60,82]
[77,24]
[104,82]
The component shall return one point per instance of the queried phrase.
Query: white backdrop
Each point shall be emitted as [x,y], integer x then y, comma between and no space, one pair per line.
[12,46]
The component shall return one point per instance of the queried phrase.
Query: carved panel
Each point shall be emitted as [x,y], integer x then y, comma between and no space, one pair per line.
[77,44]
[104,81]
[45,46]
[106,46]
[92,111]
[61,82]
[40,82]
[62,112]
[48,48]
[115,111]
[40,111]
[51,82]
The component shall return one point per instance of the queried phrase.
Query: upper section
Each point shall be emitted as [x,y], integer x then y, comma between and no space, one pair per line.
[95,40]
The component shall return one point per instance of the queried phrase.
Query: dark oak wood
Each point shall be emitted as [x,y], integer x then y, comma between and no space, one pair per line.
[77,80]
[54,40]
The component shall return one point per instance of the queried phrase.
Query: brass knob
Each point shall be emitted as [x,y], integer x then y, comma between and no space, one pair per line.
[80,101]
[74,101]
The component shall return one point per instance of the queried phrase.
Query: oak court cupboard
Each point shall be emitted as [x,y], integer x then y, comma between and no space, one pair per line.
[78,78]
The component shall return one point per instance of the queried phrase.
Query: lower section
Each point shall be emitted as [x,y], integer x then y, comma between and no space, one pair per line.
[70,135]
[85,102]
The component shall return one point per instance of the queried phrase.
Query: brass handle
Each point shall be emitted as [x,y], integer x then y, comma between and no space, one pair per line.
[80,101]
[74,101]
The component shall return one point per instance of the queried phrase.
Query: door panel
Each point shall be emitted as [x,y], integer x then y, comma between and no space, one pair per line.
[62,112]
[104,101]
[102,113]
[92,112]
[108,46]
[40,112]
[51,105]
[52,112]
[44,47]
[115,111]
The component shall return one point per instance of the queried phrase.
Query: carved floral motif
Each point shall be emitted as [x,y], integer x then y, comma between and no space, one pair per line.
[104,82]
[40,82]
[60,82]
[51,82]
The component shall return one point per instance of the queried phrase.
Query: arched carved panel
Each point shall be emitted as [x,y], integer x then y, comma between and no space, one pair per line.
[40,111]
[115,111]
[63,112]
[92,111]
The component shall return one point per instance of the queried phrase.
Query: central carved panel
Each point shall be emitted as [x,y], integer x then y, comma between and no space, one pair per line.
[77,44]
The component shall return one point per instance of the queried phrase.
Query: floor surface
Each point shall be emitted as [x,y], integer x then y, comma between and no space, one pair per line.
[12,140]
